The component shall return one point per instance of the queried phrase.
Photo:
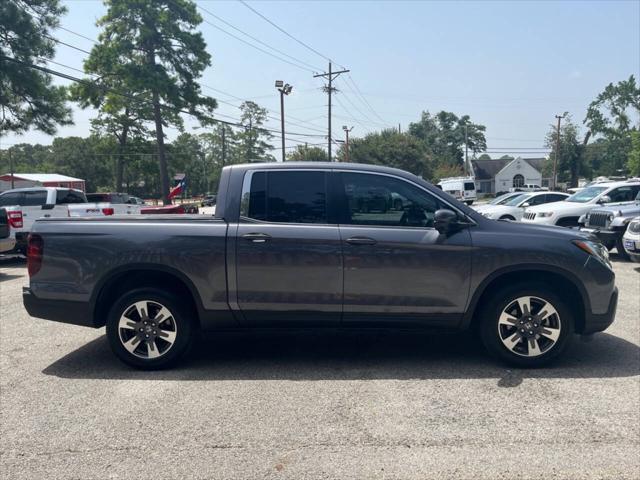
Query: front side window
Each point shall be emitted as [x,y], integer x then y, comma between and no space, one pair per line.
[379,200]
[623,194]
[286,197]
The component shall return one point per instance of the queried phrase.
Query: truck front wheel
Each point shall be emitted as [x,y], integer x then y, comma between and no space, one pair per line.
[526,325]
[149,329]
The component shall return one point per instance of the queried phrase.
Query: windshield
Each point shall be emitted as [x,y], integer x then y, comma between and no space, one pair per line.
[503,198]
[583,196]
[515,201]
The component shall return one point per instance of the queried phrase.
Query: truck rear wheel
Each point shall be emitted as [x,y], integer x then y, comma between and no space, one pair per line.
[149,329]
[526,325]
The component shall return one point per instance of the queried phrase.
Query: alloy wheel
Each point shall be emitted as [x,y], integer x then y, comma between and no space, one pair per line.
[529,326]
[147,329]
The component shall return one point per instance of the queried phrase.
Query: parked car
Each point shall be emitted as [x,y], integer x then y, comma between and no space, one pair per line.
[609,222]
[513,208]
[530,187]
[568,212]
[208,201]
[105,204]
[461,188]
[499,200]
[7,237]
[26,205]
[631,240]
[289,246]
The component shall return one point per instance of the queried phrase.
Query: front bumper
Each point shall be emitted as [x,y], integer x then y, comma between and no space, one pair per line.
[599,322]
[607,237]
[64,311]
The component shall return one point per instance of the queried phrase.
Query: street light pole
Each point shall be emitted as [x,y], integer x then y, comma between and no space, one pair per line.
[284,89]
[346,131]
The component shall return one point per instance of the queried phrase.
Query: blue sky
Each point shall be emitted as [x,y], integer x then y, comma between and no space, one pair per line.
[510,65]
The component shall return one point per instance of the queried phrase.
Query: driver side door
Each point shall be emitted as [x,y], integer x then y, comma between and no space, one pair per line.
[398,269]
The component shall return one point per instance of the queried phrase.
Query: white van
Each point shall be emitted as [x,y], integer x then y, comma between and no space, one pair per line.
[462,188]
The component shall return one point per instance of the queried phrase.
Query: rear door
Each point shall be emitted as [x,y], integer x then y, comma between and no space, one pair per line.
[398,269]
[288,255]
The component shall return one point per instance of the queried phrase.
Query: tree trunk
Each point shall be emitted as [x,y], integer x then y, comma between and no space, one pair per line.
[162,160]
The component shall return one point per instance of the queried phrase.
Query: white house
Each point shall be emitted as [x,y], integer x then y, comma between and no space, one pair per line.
[499,175]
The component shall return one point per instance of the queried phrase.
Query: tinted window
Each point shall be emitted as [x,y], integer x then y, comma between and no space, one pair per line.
[385,201]
[98,197]
[287,197]
[554,197]
[623,194]
[469,186]
[13,198]
[34,198]
[538,200]
[69,196]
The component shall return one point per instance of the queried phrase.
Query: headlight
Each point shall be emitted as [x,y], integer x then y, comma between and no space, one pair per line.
[545,214]
[595,249]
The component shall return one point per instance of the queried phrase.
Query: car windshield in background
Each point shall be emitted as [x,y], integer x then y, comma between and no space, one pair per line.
[502,199]
[515,201]
[583,196]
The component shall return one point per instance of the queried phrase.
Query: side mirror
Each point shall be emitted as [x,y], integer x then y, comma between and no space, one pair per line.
[525,205]
[605,199]
[48,206]
[445,220]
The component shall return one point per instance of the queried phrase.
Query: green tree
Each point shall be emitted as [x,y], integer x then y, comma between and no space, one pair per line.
[633,159]
[220,145]
[443,134]
[154,50]
[609,118]
[571,162]
[253,140]
[390,148]
[28,98]
[303,153]
[484,156]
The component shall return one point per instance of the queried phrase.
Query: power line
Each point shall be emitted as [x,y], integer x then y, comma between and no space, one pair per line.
[366,102]
[284,31]
[257,39]
[49,71]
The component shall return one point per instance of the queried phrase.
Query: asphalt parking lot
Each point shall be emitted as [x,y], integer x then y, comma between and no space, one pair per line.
[334,405]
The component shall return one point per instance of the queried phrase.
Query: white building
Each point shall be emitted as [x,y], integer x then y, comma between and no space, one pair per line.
[499,175]
[22,180]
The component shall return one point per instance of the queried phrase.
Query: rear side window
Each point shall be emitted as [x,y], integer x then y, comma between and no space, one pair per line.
[287,197]
[554,197]
[623,194]
[98,197]
[34,198]
[69,196]
[13,198]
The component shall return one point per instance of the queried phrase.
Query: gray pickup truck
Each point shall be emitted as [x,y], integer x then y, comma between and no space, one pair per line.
[308,245]
[609,222]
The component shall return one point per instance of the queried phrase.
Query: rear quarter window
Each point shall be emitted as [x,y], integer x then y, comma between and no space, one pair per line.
[64,197]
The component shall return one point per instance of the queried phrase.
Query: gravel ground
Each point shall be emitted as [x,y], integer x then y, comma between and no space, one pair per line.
[332,405]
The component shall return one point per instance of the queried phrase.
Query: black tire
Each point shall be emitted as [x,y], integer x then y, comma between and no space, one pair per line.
[568,222]
[181,324]
[622,253]
[492,333]
[507,217]
[469,202]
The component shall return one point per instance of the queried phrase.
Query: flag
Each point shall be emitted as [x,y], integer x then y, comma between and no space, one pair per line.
[178,189]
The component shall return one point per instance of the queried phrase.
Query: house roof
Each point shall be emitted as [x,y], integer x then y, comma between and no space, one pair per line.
[488,169]
[43,177]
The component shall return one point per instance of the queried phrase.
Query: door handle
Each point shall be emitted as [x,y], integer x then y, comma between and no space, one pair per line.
[361,241]
[257,237]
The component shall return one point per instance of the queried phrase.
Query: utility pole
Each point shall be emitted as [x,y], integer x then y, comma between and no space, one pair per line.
[11,168]
[224,144]
[555,158]
[346,131]
[284,89]
[330,89]
[466,150]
